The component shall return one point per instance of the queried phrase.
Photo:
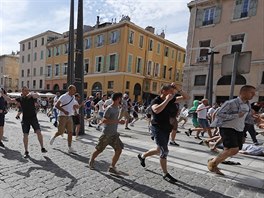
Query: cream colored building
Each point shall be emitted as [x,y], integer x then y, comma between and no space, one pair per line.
[215,23]
[9,69]
[33,60]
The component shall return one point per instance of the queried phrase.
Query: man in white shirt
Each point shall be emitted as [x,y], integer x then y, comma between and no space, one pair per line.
[202,116]
[66,104]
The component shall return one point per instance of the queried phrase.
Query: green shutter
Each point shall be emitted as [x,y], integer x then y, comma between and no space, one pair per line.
[116,62]
[96,64]
[199,18]
[55,51]
[102,65]
[253,7]
[217,16]
[129,64]
[107,63]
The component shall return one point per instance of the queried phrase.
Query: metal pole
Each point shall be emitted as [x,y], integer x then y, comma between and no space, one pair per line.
[234,74]
[71,47]
[78,81]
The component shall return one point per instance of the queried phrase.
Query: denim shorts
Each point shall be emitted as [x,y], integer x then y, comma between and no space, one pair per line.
[203,123]
[161,137]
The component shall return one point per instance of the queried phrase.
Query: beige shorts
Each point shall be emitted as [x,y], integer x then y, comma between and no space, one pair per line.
[124,114]
[65,123]
[174,123]
[114,141]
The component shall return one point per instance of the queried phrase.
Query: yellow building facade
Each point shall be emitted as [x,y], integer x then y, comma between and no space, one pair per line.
[119,57]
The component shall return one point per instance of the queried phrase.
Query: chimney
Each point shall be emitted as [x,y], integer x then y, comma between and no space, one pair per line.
[162,34]
[97,22]
[150,29]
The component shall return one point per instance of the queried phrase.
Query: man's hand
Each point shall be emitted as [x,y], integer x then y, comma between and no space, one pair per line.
[169,97]
[66,112]
[241,114]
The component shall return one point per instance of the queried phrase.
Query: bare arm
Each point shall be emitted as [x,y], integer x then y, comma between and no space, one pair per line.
[58,106]
[157,108]
[9,100]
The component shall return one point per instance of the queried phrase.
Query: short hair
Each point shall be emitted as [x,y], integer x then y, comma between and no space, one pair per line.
[71,87]
[104,95]
[117,95]
[246,88]
[166,87]
[77,95]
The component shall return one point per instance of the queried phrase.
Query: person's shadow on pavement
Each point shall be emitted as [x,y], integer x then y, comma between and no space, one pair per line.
[10,154]
[50,166]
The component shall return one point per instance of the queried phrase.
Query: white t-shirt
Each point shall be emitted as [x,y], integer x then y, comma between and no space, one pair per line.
[64,99]
[201,114]
[108,102]
[100,105]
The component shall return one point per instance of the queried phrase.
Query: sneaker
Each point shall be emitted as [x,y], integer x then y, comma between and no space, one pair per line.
[169,178]
[142,160]
[113,170]
[55,124]
[257,143]
[131,124]
[174,143]
[17,117]
[1,144]
[43,150]
[98,128]
[197,137]
[190,131]
[127,128]
[26,154]
[71,150]
[90,125]
[178,132]
[91,165]
[52,140]
[202,133]
[187,133]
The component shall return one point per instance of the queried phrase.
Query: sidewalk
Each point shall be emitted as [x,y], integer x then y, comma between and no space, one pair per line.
[59,174]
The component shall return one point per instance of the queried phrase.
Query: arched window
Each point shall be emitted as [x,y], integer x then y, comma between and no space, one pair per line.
[226,80]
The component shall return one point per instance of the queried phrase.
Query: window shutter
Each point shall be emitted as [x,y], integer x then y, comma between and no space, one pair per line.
[199,18]
[55,51]
[102,65]
[109,37]
[238,9]
[217,17]
[103,39]
[116,62]
[95,41]
[141,66]
[107,63]
[129,63]
[253,7]
[117,35]
[96,64]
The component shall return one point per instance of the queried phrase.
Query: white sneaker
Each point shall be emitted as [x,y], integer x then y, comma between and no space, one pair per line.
[131,124]
[52,140]
[71,150]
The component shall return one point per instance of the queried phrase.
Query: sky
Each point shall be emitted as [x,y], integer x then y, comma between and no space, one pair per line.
[21,19]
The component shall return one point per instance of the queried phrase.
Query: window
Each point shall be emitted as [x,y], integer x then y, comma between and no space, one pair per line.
[179,56]
[41,71]
[49,70]
[157,69]
[57,51]
[114,37]
[184,56]
[34,84]
[34,71]
[139,65]
[36,43]
[100,40]
[85,85]
[131,37]
[65,68]
[172,54]
[86,66]
[112,62]
[28,72]
[66,48]
[22,83]
[164,71]
[262,79]
[35,56]
[23,59]
[170,72]
[204,52]
[88,43]
[40,84]
[48,86]
[110,85]
[158,48]
[127,84]
[41,55]
[166,51]
[129,63]
[149,67]
[150,45]
[141,40]
[64,86]
[22,73]
[238,47]
[199,80]
[42,41]
[28,57]
[29,45]
[99,62]
[28,83]
[209,14]
[23,47]
[245,8]
[177,75]
[154,86]
[57,70]
[49,53]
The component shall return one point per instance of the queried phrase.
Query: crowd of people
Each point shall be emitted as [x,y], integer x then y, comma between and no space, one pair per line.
[226,125]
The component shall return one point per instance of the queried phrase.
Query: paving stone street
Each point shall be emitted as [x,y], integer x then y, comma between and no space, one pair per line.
[61,175]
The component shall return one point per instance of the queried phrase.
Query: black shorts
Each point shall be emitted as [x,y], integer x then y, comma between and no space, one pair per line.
[232,138]
[26,123]
[135,115]
[2,119]
[76,119]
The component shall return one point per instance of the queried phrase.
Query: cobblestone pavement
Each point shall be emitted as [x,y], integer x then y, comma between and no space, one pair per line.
[59,174]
